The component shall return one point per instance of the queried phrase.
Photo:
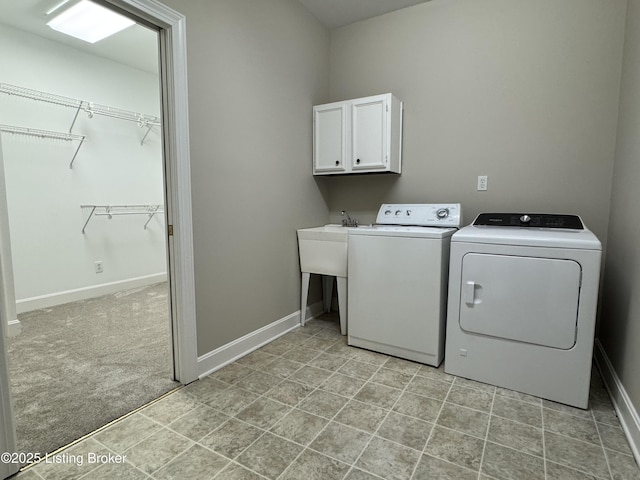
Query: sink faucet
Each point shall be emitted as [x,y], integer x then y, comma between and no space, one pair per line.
[348,222]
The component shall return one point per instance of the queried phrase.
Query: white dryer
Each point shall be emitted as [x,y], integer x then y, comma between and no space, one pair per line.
[523,292]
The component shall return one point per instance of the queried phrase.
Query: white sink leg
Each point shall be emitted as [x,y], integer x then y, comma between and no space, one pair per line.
[342,303]
[304,292]
[327,292]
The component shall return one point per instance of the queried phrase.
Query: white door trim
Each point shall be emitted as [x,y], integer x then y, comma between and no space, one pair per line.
[175,122]
[173,76]
[7,313]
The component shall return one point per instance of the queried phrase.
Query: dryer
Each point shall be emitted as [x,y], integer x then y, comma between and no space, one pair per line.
[523,291]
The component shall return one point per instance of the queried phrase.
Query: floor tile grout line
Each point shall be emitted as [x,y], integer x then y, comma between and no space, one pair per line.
[433,427]
[544,446]
[604,452]
[318,388]
[372,435]
[389,410]
[234,462]
[116,453]
[87,477]
[268,430]
[486,437]
[291,408]
[259,396]
[573,468]
[514,421]
[163,427]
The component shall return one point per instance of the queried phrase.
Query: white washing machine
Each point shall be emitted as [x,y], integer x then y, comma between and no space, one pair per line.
[523,291]
[397,282]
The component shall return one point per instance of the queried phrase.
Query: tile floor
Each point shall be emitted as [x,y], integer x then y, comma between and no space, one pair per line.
[309,407]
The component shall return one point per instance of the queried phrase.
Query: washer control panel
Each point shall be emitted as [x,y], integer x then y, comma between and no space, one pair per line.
[420,214]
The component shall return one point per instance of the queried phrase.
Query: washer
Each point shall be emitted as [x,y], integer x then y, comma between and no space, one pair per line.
[523,292]
[397,281]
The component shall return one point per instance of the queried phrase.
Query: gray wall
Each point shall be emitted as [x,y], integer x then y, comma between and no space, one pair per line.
[255,69]
[620,322]
[525,92]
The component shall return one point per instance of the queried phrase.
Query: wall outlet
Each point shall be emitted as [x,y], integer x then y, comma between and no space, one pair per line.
[482,182]
[98,266]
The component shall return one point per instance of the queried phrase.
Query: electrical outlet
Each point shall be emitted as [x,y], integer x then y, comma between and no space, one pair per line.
[482,182]
[98,266]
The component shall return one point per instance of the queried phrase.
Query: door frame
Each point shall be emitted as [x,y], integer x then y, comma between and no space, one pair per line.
[7,309]
[171,27]
[175,123]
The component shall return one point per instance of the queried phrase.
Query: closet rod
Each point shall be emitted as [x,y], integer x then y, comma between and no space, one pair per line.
[89,107]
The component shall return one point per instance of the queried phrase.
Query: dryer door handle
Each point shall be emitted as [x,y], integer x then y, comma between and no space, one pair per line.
[470,293]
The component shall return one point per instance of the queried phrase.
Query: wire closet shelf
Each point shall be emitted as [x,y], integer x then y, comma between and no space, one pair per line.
[110,211]
[143,120]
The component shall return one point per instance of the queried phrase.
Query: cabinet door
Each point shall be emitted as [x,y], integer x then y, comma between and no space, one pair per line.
[330,137]
[369,125]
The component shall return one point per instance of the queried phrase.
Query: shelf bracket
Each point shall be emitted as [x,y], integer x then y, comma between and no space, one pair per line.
[77,150]
[75,117]
[150,126]
[93,210]
[152,212]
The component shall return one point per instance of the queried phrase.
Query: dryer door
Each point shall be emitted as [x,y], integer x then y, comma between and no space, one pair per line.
[526,299]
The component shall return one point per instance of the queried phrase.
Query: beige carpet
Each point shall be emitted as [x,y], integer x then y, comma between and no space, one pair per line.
[76,367]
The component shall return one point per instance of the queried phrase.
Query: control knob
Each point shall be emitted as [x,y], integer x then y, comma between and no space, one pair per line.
[398,212]
[525,218]
[442,213]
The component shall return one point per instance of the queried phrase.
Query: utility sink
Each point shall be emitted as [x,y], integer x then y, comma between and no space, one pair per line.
[323,250]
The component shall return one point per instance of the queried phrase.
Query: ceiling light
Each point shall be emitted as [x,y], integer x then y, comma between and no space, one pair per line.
[89,21]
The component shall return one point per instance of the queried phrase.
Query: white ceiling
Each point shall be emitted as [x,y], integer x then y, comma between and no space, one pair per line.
[138,46]
[337,13]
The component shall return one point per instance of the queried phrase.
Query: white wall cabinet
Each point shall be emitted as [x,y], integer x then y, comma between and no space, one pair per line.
[362,135]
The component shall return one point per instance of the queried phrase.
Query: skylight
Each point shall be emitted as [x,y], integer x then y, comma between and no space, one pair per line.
[89,21]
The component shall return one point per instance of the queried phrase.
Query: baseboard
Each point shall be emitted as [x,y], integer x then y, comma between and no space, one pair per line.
[15,328]
[627,413]
[59,298]
[314,310]
[226,354]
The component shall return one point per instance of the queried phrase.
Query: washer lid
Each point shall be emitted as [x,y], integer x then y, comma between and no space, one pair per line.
[403,231]
[529,236]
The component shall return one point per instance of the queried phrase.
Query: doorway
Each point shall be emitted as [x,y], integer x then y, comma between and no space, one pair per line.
[174,136]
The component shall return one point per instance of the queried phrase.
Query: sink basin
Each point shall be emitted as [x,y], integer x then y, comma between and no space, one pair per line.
[323,250]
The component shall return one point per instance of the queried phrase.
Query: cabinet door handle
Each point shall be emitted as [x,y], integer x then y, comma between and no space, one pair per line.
[337,162]
[358,160]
